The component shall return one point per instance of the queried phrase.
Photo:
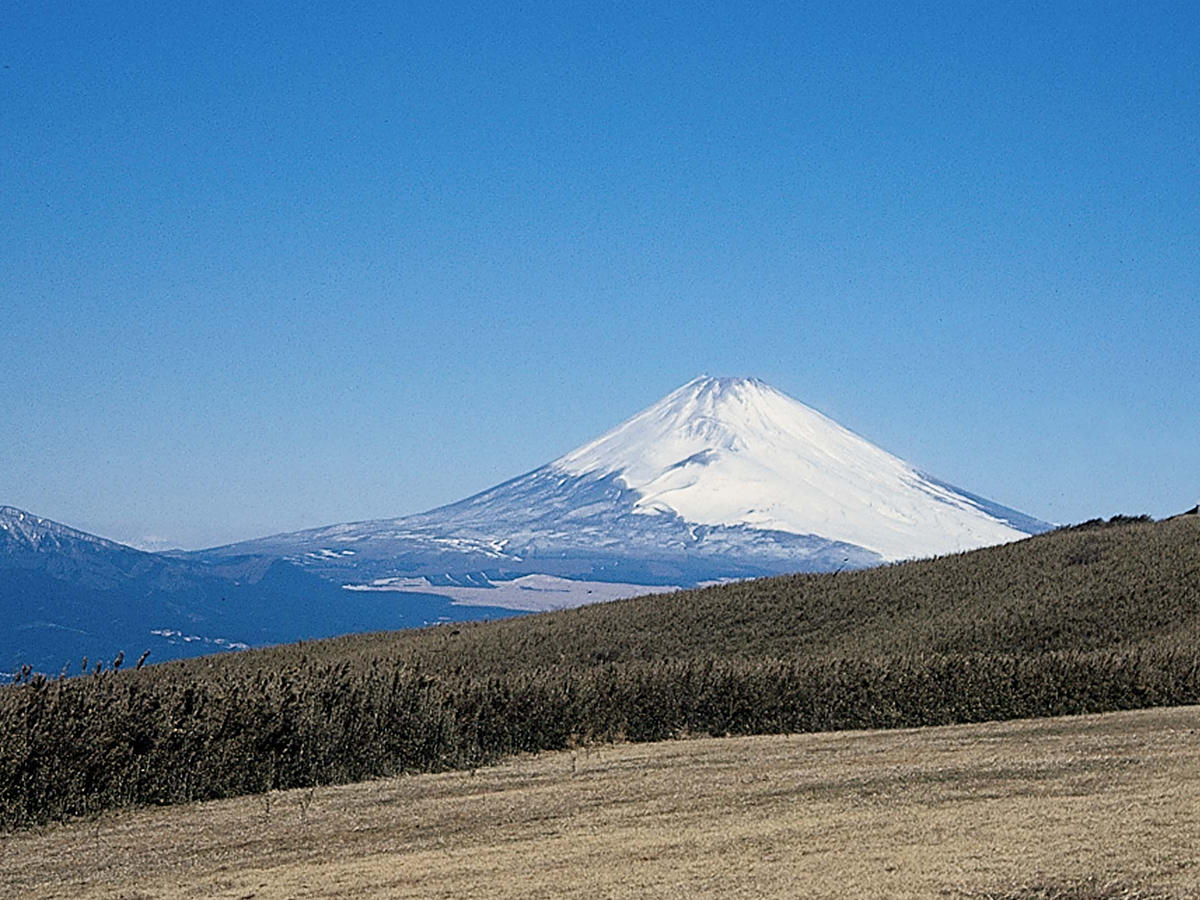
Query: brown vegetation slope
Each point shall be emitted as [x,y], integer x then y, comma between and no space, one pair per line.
[1083,620]
[1101,587]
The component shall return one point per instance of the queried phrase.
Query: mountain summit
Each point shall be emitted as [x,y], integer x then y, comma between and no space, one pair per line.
[723,477]
[735,451]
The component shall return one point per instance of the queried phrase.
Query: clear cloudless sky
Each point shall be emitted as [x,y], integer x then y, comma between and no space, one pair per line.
[269,266]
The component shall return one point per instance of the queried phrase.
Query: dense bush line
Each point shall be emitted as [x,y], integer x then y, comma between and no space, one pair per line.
[76,746]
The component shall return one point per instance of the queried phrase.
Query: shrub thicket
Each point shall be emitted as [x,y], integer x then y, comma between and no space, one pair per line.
[74,746]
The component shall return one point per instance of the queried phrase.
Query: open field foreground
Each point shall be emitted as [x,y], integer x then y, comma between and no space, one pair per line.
[1090,806]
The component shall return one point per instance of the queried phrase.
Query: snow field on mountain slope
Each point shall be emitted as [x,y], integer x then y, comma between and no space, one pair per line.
[738,452]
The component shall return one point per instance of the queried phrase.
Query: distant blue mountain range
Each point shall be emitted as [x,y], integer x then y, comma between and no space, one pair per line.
[66,595]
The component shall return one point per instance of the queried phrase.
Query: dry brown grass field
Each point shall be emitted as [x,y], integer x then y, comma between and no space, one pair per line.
[1100,806]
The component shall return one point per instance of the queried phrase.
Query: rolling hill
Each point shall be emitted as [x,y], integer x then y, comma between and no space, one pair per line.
[1098,617]
[1099,586]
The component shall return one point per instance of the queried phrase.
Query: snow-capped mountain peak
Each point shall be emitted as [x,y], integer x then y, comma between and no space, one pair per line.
[735,451]
[706,416]
[723,477]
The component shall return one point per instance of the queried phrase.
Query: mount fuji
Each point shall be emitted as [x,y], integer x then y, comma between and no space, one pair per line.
[723,478]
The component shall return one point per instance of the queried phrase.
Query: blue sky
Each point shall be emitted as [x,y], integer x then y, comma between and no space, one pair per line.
[268,266]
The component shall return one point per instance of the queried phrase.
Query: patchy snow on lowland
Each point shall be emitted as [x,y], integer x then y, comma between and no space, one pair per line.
[735,451]
[529,593]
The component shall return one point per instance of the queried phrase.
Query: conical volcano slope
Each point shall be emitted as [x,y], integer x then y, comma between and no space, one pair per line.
[724,477]
[735,451]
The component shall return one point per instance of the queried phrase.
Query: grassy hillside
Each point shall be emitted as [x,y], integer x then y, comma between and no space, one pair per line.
[1096,587]
[1082,620]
